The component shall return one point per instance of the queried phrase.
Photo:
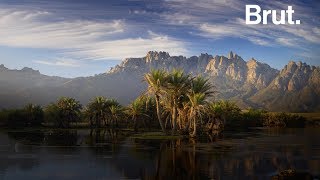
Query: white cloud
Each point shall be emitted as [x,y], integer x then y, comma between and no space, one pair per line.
[224,18]
[234,29]
[59,62]
[286,41]
[83,39]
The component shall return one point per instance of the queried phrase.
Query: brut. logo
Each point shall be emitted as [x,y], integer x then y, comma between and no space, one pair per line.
[253,11]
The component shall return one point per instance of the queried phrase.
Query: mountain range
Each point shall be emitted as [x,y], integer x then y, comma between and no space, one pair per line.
[295,88]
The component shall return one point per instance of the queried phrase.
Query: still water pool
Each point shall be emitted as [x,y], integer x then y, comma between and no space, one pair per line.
[110,154]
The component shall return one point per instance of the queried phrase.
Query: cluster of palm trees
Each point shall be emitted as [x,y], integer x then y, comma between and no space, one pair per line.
[99,112]
[102,110]
[63,112]
[179,102]
[28,116]
[181,99]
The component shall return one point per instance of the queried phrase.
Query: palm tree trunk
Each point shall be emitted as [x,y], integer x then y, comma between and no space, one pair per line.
[174,119]
[135,123]
[159,113]
[174,116]
[90,119]
[187,126]
[116,119]
[194,128]
[166,123]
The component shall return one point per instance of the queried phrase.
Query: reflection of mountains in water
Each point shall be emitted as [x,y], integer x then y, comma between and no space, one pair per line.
[250,83]
[107,153]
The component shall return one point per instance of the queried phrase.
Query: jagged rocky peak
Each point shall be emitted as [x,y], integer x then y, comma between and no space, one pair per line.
[260,74]
[293,66]
[233,66]
[315,77]
[230,56]
[154,56]
[234,56]
[253,64]
[128,63]
[202,61]
[24,70]
[2,67]
[294,76]
[30,70]
[253,72]
[204,57]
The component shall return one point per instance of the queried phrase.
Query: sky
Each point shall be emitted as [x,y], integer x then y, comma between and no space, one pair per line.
[82,38]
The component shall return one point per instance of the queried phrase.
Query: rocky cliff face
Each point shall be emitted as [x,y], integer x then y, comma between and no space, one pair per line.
[295,88]
[294,77]
[260,74]
[249,83]
[251,73]
[233,67]
[162,60]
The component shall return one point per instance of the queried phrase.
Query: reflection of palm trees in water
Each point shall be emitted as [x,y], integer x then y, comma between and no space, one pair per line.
[182,159]
[103,140]
[61,138]
[175,161]
[247,158]
[103,136]
[151,159]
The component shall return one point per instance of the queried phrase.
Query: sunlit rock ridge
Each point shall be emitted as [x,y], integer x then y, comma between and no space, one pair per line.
[249,83]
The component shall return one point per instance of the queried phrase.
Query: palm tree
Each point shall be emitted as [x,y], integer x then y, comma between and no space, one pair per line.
[52,114]
[70,110]
[34,115]
[196,109]
[116,106]
[136,110]
[115,113]
[156,80]
[224,110]
[96,111]
[176,89]
[201,90]
[202,85]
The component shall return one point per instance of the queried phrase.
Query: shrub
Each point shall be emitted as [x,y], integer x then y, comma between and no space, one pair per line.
[52,114]
[30,116]
[254,118]
[284,120]
[34,115]
[295,121]
[229,112]
[274,120]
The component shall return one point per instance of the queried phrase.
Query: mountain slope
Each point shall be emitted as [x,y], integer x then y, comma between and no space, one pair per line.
[19,87]
[249,83]
[296,88]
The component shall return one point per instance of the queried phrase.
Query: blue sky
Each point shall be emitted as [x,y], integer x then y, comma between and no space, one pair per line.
[81,38]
